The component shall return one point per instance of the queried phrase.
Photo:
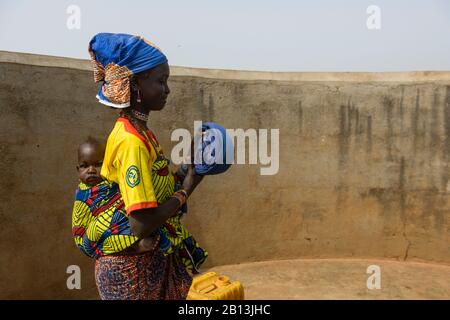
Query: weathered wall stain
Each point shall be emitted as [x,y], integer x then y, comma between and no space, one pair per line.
[389,106]
[401,107]
[300,117]
[401,189]
[445,175]
[211,108]
[369,135]
[344,135]
[447,122]
[415,122]
[434,144]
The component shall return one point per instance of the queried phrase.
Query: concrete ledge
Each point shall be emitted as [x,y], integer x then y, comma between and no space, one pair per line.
[81,64]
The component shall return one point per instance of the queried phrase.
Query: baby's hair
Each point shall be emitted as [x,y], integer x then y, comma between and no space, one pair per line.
[93,142]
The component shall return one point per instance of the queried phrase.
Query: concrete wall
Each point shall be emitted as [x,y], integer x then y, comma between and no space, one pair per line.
[364,166]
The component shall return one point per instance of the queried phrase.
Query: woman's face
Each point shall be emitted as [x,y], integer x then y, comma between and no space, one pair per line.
[153,87]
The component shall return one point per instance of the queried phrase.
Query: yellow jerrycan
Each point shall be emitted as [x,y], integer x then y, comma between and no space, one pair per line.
[210,286]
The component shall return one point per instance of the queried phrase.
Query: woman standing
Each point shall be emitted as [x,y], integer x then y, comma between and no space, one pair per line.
[134,74]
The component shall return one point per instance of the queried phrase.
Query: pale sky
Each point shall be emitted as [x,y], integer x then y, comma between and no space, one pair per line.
[266,35]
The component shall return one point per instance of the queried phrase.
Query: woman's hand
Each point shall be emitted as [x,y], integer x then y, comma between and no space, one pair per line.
[191,180]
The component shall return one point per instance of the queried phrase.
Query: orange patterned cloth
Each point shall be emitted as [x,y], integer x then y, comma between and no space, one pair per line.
[146,276]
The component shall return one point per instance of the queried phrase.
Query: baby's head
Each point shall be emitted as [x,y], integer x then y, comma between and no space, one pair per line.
[90,159]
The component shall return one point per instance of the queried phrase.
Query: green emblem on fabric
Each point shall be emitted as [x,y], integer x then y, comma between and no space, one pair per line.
[133,176]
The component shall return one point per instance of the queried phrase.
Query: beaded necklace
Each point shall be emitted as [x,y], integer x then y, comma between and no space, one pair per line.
[133,120]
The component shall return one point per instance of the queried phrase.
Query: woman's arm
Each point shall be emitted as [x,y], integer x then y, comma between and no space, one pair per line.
[144,221]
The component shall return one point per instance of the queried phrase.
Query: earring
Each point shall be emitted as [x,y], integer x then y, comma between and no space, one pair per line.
[138,99]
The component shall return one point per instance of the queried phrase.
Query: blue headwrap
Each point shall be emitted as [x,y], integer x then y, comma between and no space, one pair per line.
[116,57]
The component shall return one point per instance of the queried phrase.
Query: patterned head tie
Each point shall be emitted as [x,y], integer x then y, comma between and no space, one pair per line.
[116,57]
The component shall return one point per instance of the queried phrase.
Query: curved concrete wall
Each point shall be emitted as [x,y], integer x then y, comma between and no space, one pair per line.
[364,166]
